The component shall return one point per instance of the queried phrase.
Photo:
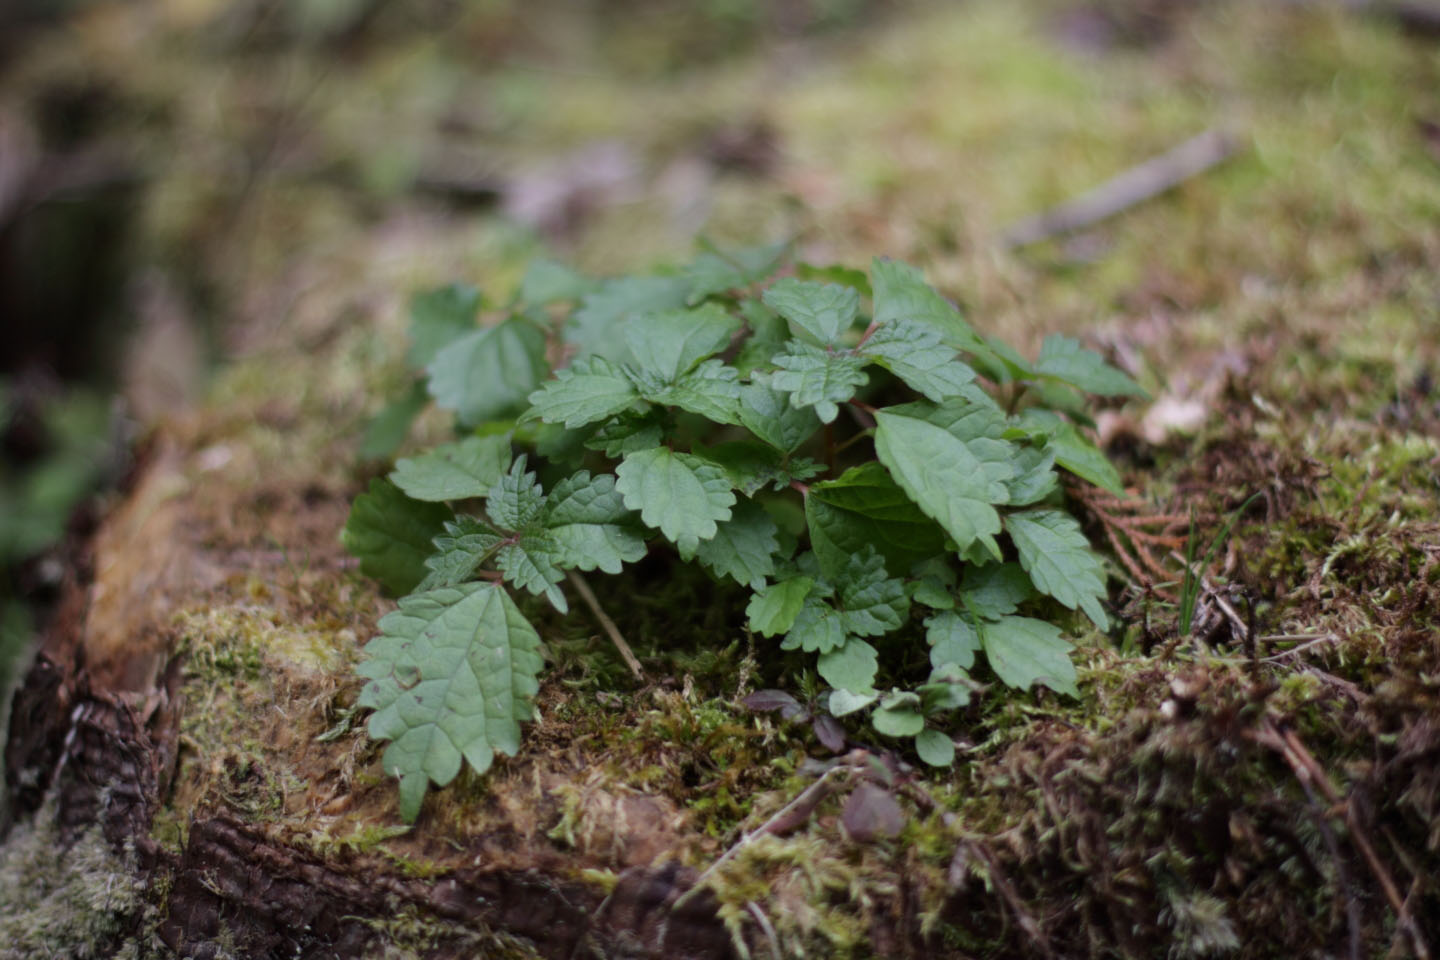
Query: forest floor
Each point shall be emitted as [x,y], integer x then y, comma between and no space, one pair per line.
[1268,784]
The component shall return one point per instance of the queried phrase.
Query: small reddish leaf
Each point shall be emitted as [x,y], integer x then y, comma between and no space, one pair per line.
[872,813]
[831,733]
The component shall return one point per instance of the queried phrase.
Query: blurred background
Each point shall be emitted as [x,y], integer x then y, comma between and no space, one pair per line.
[189,183]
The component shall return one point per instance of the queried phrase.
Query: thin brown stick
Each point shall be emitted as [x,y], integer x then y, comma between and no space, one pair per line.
[1136,185]
[612,631]
[1308,770]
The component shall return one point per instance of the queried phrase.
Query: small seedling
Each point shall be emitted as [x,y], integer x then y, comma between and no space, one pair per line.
[829,440]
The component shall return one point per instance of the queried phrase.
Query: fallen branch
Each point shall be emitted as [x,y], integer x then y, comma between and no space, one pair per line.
[1136,185]
[612,631]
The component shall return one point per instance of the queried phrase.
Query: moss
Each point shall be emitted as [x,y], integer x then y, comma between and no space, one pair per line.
[81,901]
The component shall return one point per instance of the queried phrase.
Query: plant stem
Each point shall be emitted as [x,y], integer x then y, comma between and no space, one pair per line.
[612,631]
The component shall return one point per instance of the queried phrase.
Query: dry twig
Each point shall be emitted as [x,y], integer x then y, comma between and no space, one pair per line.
[612,631]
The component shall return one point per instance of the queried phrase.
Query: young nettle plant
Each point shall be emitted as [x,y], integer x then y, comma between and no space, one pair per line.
[882,478]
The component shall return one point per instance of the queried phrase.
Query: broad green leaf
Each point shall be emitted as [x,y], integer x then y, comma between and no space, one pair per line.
[515,500]
[818,378]
[590,526]
[935,748]
[532,562]
[718,271]
[1055,553]
[438,318]
[773,608]
[852,667]
[933,593]
[626,435]
[952,640]
[488,374]
[768,413]
[1023,651]
[597,326]
[817,627]
[679,494]
[452,675]
[743,547]
[548,281]
[822,313]
[711,390]
[996,589]
[751,466]
[1072,450]
[865,506]
[835,273]
[913,353]
[901,293]
[947,689]
[945,477]
[459,553]
[1035,477]
[670,344]
[872,603]
[1065,359]
[898,716]
[391,534]
[1002,363]
[966,417]
[454,471]
[388,429]
[587,392]
[843,702]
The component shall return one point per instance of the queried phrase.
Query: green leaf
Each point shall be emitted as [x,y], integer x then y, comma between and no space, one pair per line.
[490,373]
[391,535]
[1065,359]
[438,318]
[452,675]
[549,281]
[515,500]
[1035,477]
[817,627]
[843,702]
[388,429]
[1055,553]
[679,494]
[835,273]
[743,547]
[712,390]
[865,506]
[532,562]
[898,716]
[769,414]
[454,471]
[588,391]
[947,689]
[913,353]
[945,476]
[935,748]
[773,608]
[901,293]
[1023,651]
[996,589]
[873,603]
[670,344]
[751,466]
[596,327]
[718,271]
[821,313]
[818,378]
[590,526]
[627,434]
[459,553]
[852,667]
[952,640]
[1072,451]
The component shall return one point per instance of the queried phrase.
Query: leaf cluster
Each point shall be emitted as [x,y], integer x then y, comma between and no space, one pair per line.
[835,443]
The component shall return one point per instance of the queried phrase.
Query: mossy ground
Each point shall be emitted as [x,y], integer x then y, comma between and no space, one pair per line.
[1293,293]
